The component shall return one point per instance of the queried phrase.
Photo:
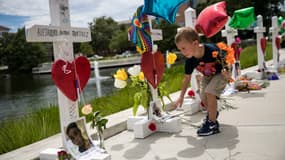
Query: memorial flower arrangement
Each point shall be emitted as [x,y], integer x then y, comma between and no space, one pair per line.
[226,57]
[97,121]
[137,80]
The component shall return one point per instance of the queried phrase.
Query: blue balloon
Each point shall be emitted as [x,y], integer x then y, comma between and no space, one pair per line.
[165,9]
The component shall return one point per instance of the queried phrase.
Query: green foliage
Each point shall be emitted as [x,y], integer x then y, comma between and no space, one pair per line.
[18,54]
[86,49]
[98,122]
[119,41]
[102,30]
[248,56]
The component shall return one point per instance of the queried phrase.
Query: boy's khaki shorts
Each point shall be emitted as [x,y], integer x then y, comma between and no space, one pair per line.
[213,84]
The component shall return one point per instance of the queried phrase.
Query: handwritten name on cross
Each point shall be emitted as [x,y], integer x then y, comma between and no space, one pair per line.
[62,35]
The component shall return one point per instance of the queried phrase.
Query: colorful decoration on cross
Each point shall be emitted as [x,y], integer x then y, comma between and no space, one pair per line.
[162,8]
[139,32]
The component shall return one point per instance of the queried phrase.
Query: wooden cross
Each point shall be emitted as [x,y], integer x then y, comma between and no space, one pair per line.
[62,35]
[259,30]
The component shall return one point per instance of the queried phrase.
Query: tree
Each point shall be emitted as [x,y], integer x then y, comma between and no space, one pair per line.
[86,49]
[19,55]
[102,30]
[119,41]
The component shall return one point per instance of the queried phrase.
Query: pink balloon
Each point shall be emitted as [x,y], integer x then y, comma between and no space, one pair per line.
[212,19]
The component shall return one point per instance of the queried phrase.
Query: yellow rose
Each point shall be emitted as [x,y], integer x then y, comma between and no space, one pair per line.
[171,58]
[141,76]
[121,74]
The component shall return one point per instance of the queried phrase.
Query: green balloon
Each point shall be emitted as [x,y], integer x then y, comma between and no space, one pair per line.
[242,18]
[280,20]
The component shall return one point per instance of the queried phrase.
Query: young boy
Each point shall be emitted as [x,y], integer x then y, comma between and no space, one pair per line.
[214,80]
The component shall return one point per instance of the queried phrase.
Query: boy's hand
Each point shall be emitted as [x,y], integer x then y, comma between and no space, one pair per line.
[227,75]
[178,102]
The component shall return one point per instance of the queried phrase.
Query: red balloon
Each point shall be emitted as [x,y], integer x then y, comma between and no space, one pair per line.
[212,19]
[65,74]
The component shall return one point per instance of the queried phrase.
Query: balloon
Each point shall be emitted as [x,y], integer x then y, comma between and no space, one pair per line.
[280,20]
[263,44]
[65,74]
[242,18]
[212,19]
[162,8]
[153,66]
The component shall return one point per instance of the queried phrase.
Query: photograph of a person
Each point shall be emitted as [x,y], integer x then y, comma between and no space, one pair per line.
[77,138]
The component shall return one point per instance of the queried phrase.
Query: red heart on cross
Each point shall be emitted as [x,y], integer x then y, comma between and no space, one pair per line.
[152,67]
[66,75]
[277,42]
[263,44]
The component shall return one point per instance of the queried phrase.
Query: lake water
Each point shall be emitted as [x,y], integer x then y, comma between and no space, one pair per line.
[23,94]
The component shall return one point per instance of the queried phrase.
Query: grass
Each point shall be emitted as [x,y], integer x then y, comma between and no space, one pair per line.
[248,56]
[45,122]
[26,130]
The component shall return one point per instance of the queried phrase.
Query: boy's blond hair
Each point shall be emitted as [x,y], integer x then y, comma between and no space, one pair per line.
[186,33]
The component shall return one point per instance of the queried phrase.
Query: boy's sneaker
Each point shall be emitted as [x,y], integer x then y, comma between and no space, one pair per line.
[209,128]
[207,118]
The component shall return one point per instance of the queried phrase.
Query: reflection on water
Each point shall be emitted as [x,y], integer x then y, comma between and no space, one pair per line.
[22,94]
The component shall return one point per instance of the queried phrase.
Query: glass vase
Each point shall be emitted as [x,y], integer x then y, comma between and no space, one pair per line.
[100,137]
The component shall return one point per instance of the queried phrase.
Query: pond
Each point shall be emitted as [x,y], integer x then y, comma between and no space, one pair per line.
[24,93]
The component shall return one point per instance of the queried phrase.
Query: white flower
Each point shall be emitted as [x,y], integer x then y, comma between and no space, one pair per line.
[135,70]
[120,83]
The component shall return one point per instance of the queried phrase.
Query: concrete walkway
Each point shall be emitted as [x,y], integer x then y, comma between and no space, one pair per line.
[253,131]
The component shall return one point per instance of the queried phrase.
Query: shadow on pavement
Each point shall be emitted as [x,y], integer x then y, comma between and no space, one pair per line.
[227,139]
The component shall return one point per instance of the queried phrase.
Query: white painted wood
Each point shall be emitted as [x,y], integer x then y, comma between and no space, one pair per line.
[259,30]
[274,30]
[190,17]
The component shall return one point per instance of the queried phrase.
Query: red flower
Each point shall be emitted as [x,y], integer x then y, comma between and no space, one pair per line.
[191,93]
[152,127]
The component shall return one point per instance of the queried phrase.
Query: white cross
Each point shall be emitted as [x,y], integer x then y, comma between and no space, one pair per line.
[62,35]
[259,30]
[156,35]
[274,30]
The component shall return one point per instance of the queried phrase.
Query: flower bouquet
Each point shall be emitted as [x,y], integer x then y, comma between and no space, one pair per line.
[143,95]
